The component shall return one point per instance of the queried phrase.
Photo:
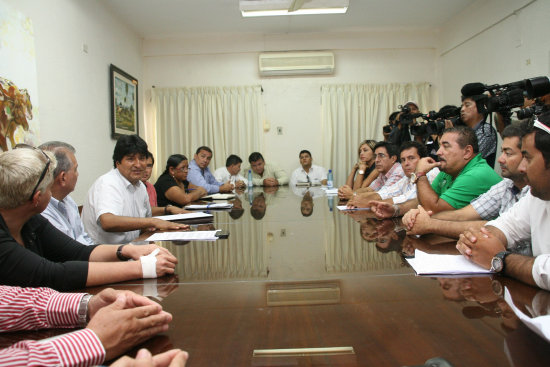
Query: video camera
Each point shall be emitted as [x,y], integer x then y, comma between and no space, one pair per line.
[504,97]
[406,116]
[435,121]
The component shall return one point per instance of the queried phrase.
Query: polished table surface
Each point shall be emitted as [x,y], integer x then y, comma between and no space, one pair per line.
[323,279]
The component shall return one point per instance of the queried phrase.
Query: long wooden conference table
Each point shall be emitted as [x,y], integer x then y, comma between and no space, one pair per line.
[298,283]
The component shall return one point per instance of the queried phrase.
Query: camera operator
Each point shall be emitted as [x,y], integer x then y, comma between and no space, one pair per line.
[474,114]
[391,131]
[405,118]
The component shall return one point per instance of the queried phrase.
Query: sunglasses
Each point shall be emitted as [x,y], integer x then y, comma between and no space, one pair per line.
[44,171]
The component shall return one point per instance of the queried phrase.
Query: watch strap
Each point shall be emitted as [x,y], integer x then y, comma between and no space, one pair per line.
[119,254]
[83,310]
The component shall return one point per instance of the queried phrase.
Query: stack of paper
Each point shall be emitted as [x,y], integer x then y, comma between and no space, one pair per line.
[185,236]
[175,217]
[219,196]
[437,264]
[224,205]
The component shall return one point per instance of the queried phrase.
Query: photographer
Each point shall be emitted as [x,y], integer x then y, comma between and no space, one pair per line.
[405,118]
[391,131]
[474,114]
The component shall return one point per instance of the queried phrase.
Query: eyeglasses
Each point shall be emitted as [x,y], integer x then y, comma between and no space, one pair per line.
[48,161]
[186,168]
[43,174]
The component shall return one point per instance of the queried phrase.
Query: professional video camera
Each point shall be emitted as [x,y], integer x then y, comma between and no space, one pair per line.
[504,97]
[435,122]
[406,115]
[535,109]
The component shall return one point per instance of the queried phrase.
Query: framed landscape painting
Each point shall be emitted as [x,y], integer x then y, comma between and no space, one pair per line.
[124,103]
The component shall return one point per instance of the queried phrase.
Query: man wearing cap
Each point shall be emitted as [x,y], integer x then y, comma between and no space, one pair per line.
[474,114]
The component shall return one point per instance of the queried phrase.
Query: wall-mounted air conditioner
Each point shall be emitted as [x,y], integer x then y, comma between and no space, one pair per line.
[296,63]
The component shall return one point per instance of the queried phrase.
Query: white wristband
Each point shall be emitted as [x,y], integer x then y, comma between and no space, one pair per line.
[149,264]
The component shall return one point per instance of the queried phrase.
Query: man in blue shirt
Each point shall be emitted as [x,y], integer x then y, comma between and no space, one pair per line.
[62,210]
[200,175]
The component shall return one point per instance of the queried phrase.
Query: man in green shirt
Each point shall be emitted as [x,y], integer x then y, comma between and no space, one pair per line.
[464,176]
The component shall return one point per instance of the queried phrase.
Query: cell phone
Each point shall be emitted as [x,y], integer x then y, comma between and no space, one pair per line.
[223,233]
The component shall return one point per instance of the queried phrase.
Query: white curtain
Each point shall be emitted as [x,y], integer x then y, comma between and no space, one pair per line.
[227,119]
[351,113]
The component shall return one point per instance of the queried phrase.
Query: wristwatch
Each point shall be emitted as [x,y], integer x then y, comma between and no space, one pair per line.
[497,263]
[82,311]
[416,175]
[119,254]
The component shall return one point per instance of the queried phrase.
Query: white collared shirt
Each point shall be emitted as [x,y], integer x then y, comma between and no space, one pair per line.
[529,217]
[316,174]
[113,193]
[223,175]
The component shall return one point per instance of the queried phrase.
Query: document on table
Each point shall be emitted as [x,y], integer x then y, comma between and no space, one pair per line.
[224,205]
[219,196]
[174,217]
[331,191]
[437,264]
[185,236]
[540,324]
[344,207]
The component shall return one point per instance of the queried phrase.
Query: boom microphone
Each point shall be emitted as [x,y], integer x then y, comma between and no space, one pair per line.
[472,89]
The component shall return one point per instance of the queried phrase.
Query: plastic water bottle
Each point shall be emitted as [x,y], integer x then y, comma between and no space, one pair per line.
[250,184]
[330,179]
[331,202]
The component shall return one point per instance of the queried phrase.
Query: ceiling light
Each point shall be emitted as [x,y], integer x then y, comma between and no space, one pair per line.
[259,8]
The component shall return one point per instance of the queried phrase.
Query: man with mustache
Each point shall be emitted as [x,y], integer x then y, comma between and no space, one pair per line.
[464,176]
[486,207]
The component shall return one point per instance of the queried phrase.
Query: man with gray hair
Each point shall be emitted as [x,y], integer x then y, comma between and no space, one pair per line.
[62,210]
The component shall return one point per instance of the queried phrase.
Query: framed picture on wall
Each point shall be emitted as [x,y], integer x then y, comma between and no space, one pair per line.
[124,103]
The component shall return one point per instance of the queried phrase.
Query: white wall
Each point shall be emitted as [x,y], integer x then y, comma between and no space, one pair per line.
[73,86]
[292,103]
[489,42]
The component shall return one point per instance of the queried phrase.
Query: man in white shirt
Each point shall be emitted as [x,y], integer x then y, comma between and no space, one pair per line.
[62,210]
[529,217]
[231,172]
[117,207]
[308,173]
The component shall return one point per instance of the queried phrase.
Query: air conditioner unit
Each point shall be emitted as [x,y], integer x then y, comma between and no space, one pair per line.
[296,63]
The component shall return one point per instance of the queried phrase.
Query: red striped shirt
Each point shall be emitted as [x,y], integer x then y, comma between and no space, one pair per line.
[39,308]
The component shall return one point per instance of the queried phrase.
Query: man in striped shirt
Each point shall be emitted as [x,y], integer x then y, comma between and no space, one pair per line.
[118,320]
[387,164]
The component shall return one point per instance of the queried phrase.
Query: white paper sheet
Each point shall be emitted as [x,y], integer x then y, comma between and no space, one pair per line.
[224,205]
[219,196]
[194,215]
[331,191]
[345,208]
[540,324]
[185,236]
[433,264]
